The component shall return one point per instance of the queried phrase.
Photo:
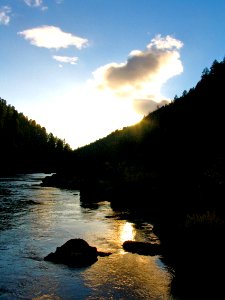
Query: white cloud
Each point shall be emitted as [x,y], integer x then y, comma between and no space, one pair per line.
[5,15]
[52,37]
[66,59]
[44,8]
[34,3]
[142,75]
[167,42]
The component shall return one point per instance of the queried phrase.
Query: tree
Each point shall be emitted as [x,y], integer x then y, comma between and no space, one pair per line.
[184,93]
[205,73]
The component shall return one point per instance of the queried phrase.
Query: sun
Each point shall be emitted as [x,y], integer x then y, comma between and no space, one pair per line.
[95,114]
[82,114]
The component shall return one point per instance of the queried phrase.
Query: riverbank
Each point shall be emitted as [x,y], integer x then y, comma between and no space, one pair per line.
[192,238]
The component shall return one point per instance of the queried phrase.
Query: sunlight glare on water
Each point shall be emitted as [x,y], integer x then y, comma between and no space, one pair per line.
[34,220]
[127,232]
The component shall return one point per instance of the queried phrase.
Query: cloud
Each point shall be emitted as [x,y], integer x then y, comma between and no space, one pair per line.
[142,75]
[52,37]
[167,42]
[66,59]
[5,15]
[36,3]
[145,106]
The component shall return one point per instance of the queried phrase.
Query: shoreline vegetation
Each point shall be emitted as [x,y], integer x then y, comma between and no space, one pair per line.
[169,167]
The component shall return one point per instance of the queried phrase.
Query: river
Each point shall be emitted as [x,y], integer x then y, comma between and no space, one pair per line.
[34,220]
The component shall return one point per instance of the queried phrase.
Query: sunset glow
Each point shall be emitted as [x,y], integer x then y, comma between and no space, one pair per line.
[81,75]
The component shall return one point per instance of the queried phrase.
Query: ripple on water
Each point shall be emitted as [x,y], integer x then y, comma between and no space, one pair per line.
[36,220]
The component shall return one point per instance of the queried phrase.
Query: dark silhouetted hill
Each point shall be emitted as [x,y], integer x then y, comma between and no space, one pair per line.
[171,168]
[26,146]
[176,150]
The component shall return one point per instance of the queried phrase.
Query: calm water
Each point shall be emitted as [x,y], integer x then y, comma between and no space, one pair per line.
[34,220]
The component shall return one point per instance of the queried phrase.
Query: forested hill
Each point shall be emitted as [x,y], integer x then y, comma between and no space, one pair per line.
[170,168]
[178,149]
[26,146]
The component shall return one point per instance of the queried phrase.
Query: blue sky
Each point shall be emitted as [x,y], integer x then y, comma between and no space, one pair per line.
[84,68]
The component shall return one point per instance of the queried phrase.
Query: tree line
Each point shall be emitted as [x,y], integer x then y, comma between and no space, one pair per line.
[176,150]
[172,145]
[26,145]
[170,167]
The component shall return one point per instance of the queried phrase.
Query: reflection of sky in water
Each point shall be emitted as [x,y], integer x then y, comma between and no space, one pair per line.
[51,217]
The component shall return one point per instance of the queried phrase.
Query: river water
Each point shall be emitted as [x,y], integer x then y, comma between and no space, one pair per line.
[34,220]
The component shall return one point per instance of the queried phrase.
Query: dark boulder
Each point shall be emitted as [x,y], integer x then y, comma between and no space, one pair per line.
[75,253]
[142,248]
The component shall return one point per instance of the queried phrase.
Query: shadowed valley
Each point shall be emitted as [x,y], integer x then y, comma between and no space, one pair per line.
[169,167]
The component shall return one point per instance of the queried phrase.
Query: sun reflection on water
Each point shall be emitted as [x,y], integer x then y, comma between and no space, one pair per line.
[127,232]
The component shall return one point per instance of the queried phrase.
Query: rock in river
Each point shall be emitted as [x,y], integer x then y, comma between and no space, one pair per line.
[142,248]
[75,253]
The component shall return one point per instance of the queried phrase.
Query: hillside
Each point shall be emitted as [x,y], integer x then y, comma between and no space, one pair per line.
[177,148]
[170,168]
[26,146]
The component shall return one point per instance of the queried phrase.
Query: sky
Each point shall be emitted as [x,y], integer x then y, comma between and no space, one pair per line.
[84,68]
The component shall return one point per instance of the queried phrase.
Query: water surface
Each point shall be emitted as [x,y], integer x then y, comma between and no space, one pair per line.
[34,220]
